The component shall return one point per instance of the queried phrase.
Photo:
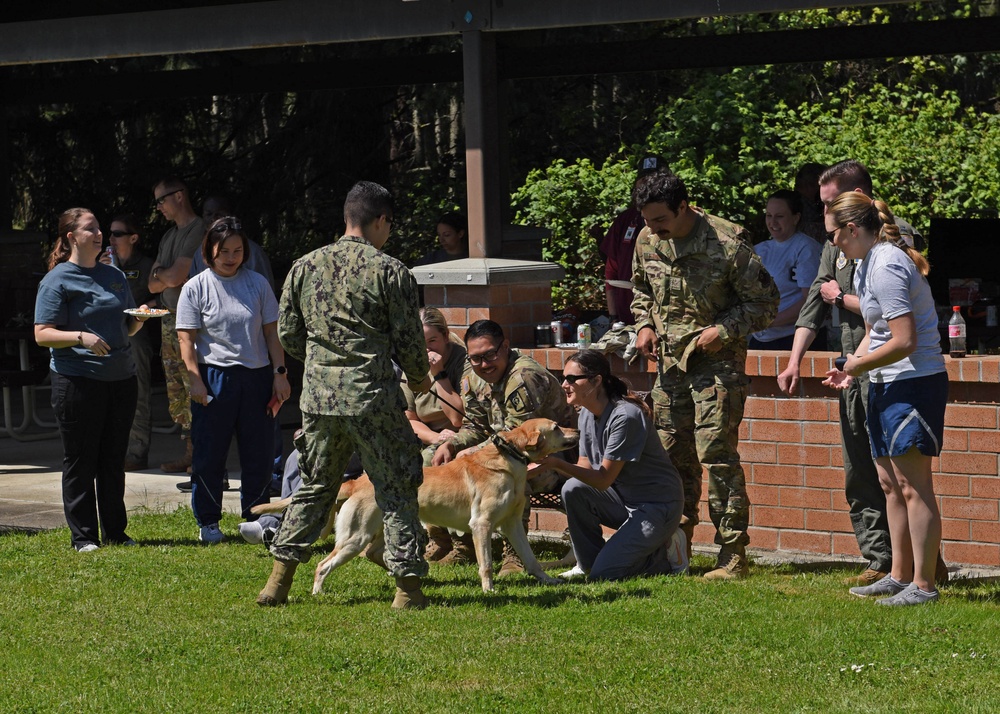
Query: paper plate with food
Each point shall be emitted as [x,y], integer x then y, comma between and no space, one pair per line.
[147,311]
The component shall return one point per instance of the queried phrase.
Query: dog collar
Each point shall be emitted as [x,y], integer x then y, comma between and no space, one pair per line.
[508,448]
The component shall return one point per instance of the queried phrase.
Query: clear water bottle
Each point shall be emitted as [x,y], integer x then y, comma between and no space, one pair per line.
[956,332]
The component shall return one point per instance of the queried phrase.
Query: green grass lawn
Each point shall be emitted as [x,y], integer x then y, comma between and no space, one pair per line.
[171,626]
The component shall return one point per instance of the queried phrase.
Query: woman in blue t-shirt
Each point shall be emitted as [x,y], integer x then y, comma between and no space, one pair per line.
[79,314]
[623,479]
[908,388]
[227,326]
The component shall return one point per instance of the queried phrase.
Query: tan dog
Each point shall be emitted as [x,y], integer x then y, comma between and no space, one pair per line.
[478,493]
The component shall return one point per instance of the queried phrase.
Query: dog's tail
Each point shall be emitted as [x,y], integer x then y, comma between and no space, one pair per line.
[346,489]
[272,507]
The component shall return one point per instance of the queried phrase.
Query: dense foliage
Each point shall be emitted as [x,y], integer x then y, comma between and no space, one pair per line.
[927,126]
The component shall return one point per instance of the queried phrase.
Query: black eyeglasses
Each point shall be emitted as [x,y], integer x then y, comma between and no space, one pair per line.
[830,235]
[119,234]
[159,201]
[230,224]
[574,378]
[484,358]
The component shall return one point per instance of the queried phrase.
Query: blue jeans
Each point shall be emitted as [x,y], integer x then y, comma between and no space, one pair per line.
[239,404]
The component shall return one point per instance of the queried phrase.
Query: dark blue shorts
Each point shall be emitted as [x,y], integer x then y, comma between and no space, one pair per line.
[906,413]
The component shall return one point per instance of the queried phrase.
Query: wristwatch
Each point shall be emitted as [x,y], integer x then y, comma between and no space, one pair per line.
[280,369]
[839,300]
[440,375]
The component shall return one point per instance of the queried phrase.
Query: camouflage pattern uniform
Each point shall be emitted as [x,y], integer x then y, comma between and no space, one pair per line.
[526,391]
[345,310]
[177,243]
[865,497]
[711,277]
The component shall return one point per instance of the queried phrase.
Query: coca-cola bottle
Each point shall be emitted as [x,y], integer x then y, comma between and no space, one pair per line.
[956,332]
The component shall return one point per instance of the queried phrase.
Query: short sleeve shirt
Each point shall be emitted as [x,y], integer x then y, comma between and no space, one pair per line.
[229,314]
[88,300]
[625,433]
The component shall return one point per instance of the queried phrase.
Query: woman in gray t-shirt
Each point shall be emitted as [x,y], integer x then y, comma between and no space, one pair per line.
[227,326]
[908,388]
[623,479]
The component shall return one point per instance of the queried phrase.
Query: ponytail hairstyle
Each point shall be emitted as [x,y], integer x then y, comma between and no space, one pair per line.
[69,220]
[874,216]
[596,364]
[434,318]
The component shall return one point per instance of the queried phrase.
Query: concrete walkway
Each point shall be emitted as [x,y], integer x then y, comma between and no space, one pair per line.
[31,473]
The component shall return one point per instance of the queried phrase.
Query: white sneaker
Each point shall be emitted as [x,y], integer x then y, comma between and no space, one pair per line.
[575,572]
[88,548]
[677,553]
[252,532]
[211,534]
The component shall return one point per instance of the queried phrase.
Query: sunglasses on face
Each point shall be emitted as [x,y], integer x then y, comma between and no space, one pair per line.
[574,378]
[484,358]
[119,234]
[227,226]
[159,201]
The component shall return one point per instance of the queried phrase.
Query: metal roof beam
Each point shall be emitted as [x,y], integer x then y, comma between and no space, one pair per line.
[283,23]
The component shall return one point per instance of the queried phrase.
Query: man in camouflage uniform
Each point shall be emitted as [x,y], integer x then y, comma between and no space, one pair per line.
[170,272]
[346,309]
[505,390]
[834,286]
[699,291]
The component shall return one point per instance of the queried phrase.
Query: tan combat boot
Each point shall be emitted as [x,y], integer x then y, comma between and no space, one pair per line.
[182,464]
[463,551]
[511,561]
[409,596]
[276,591]
[732,564]
[869,576]
[440,544]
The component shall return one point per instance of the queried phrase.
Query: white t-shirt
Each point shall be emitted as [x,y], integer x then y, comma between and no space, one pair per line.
[889,285]
[229,314]
[793,264]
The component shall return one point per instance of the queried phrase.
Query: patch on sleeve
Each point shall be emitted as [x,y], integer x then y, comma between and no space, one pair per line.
[465,385]
[520,400]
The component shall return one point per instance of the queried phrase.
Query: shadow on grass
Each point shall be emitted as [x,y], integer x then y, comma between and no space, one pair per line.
[544,597]
[981,590]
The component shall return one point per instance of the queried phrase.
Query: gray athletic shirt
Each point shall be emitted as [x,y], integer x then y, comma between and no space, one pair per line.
[623,432]
[889,285]
[229,314]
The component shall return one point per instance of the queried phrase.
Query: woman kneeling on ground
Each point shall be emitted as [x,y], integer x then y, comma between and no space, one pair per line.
[623,479]
[907,392]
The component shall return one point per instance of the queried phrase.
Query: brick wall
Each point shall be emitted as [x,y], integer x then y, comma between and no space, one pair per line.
[792,457]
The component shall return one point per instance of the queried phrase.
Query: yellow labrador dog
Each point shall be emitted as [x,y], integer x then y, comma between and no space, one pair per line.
[476,493]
